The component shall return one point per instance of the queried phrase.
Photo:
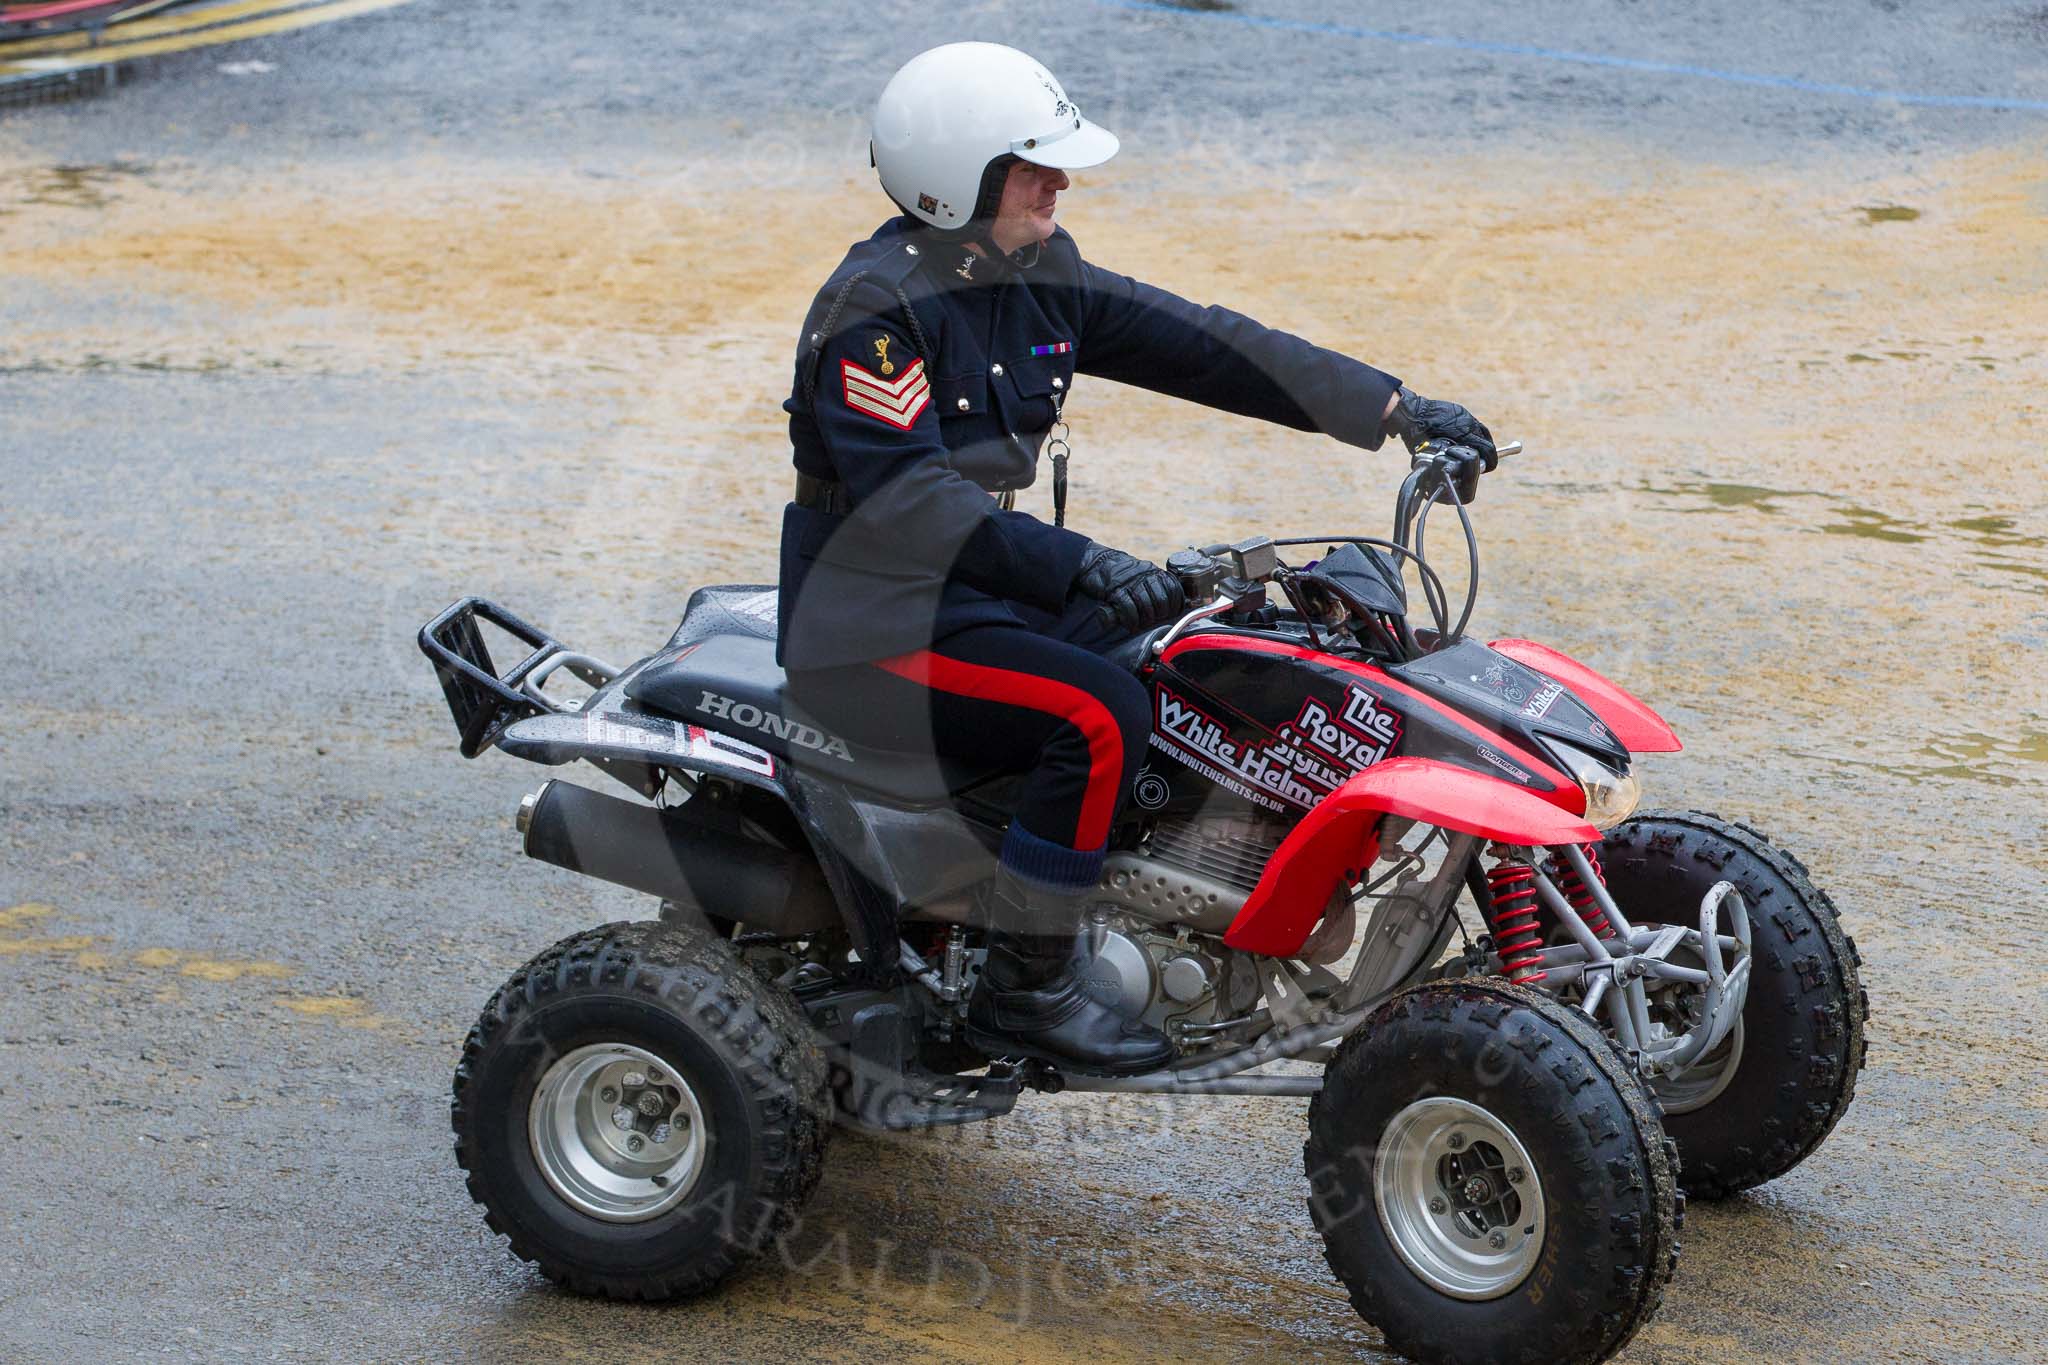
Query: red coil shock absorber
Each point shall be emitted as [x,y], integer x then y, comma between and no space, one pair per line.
[1515,921]
[1580,895]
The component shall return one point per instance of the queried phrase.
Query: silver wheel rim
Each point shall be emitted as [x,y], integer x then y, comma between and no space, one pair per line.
[1459,1198]
[1704,1080]
[617,1132]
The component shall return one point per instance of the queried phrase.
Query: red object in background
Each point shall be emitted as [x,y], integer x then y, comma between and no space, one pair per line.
[56,9]
[1640,730]
[1339,836]
[65,16]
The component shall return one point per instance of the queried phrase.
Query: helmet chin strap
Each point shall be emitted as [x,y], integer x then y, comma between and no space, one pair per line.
[979,231]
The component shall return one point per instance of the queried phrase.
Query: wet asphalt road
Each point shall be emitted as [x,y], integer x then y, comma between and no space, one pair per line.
[250,898]
[1273,83]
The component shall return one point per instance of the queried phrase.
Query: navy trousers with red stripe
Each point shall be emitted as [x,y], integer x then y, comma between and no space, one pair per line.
[1038,699]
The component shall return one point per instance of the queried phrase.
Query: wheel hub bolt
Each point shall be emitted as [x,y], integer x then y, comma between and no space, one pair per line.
[635,1143]
[1516,1175]
[1437,1204]
[609,1095]
[622,1118]
[650,1103]
[1497,1241]
[1455,1141]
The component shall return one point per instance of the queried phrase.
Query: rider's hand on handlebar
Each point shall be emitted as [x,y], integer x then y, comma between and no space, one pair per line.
[1418,421]
[1135,593]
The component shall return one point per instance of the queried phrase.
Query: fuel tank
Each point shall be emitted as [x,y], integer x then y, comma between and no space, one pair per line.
[1279,724]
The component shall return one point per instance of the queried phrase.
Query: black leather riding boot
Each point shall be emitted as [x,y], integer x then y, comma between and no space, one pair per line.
[1031,1000]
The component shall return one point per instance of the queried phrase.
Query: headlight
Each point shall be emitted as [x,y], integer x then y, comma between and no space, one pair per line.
[1611,797]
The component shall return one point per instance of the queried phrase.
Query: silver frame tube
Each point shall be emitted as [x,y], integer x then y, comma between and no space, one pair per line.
[1272,1087]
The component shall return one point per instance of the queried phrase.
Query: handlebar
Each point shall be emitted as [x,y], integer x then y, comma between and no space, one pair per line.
[1220,576]
[1431,469]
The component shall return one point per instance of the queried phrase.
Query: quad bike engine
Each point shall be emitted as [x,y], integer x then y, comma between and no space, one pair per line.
[1195,872]
[1150,931]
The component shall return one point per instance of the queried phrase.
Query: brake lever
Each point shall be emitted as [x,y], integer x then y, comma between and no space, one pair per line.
[1432,453]
[1446,461]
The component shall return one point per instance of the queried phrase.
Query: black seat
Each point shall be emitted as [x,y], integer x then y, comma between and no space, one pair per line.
[727,609]
[719,671]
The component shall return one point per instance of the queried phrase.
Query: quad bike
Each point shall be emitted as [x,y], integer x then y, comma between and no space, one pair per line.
[1501,1135]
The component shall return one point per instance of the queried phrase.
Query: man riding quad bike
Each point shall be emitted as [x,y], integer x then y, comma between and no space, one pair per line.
[969,805]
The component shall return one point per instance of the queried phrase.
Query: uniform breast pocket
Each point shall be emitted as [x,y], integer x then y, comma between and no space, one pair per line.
[960,396]
[1041,382]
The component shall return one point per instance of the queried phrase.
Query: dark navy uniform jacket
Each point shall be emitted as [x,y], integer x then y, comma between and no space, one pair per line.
[930,384]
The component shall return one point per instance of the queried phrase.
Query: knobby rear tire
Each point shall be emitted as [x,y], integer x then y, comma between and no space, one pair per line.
[742,1045]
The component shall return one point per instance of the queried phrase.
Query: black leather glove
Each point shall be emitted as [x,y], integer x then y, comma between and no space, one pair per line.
[1135,593]
[1417,420]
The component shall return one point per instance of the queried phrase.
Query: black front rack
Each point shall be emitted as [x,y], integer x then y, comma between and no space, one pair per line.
[482,700]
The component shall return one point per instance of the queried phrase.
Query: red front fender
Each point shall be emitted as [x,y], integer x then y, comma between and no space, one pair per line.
[1640,730]
[1338,836]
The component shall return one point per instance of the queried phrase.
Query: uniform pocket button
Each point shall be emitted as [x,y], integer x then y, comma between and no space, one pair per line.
[963,405]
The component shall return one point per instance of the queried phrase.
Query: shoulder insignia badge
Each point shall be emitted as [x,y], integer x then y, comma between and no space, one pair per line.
[899,401]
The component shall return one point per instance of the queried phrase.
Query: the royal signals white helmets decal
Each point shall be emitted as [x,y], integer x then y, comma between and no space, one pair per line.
[897,401]
[1308,759]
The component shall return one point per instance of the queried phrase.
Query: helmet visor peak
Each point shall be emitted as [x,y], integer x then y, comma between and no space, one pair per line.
[1070,147]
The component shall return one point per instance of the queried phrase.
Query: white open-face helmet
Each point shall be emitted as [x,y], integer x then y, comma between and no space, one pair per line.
[950,120]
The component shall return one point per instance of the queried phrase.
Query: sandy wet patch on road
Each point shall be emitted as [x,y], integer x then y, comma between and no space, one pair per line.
[1783,369]
[1649,328]
[1783,480]
[1781,331]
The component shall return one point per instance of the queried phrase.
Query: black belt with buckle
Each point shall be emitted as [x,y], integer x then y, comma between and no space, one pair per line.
[822,495]
[830,496]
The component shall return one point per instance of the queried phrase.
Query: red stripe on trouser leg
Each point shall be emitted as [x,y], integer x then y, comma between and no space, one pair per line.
[1077,708]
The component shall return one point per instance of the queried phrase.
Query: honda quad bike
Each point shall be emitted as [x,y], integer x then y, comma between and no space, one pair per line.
[1510,1101]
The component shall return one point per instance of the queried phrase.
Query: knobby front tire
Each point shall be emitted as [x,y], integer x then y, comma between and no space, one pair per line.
[1802,1043]
[1456,1083]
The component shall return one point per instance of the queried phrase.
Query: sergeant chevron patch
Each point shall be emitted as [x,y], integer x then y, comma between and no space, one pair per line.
[896,401]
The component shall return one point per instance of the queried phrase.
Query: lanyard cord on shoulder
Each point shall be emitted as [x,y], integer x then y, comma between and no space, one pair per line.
[829,328]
